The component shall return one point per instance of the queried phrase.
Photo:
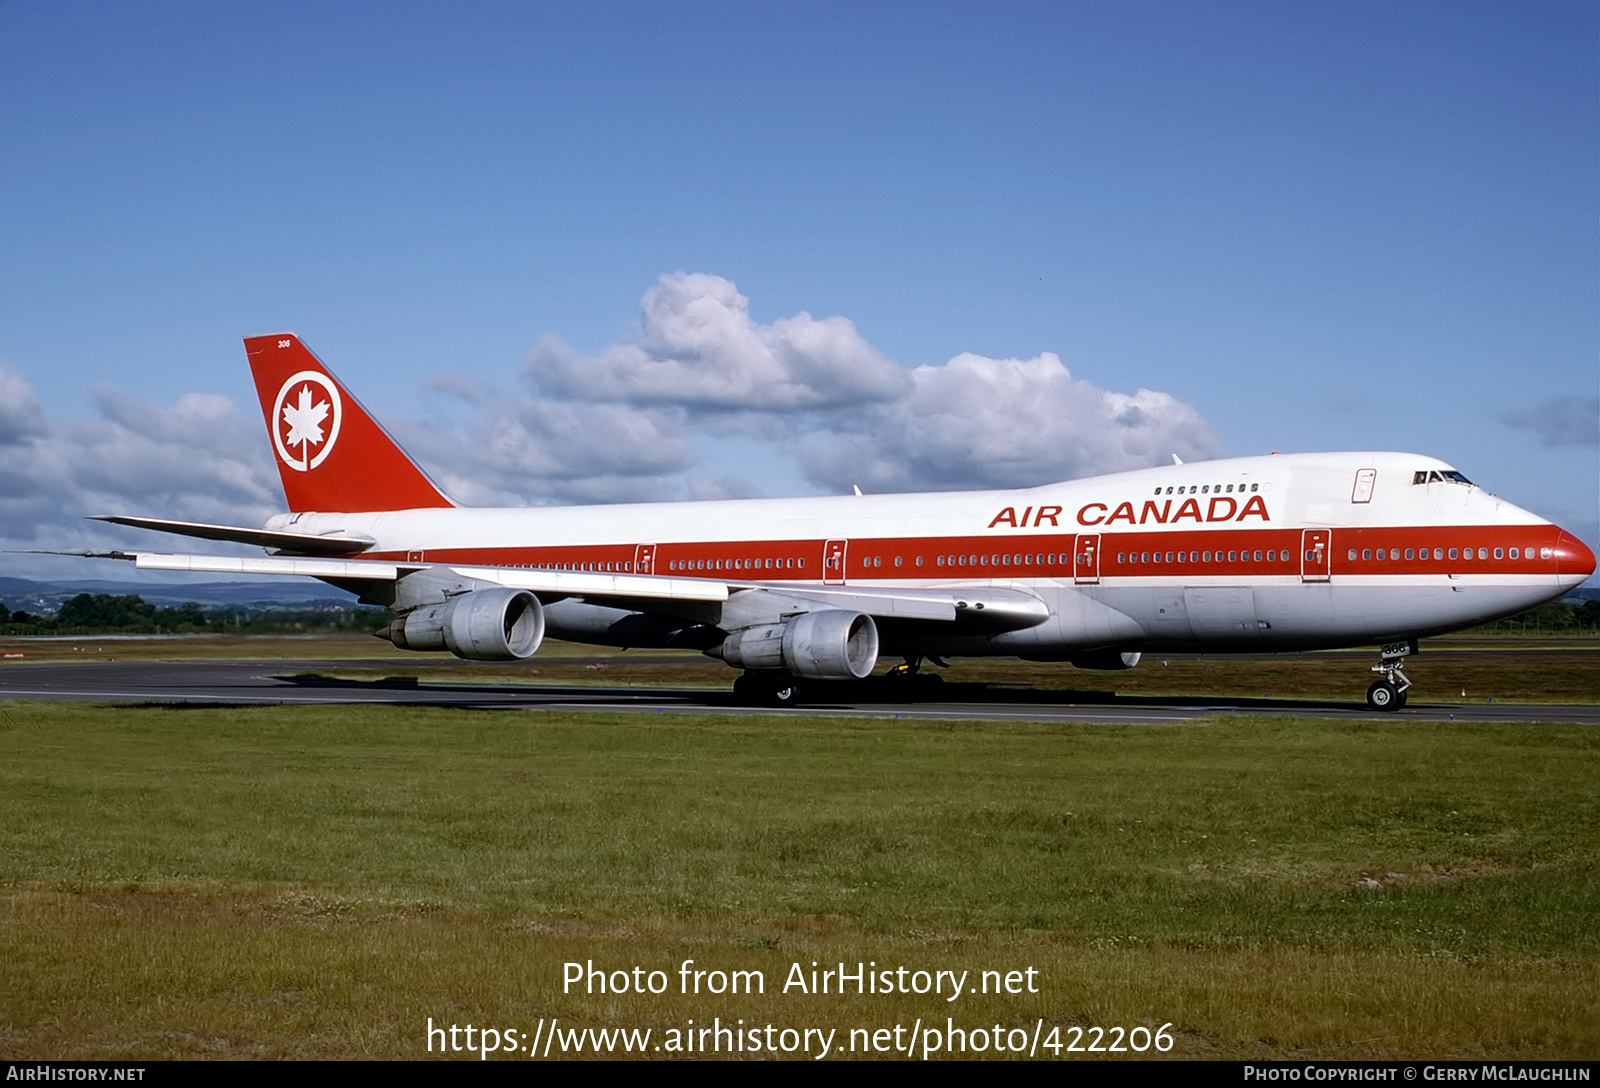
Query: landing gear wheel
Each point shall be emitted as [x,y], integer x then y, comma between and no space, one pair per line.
[1383,695]
[783,692]
[766,689]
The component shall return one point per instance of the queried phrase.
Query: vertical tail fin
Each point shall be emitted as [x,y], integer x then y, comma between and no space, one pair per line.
[331,454]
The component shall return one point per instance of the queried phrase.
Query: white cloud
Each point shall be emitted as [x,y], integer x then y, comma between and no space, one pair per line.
[21,414]
[981,422]
[198,460]
[1564,421]
[702,351]
[512,448]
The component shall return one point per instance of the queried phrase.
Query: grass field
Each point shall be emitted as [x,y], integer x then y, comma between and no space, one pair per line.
[311,882]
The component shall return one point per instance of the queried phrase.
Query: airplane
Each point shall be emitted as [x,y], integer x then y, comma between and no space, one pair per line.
[1243,555]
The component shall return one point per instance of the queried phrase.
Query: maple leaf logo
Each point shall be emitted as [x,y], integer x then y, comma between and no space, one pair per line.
[305,421]
[307,410]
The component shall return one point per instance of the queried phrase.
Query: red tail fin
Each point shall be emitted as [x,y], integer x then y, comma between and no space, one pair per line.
[332,455]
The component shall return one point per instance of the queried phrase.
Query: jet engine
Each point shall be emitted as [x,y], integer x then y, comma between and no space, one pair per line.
[826,645]
[484,625]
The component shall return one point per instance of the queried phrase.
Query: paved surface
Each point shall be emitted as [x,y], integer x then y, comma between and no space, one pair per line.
[268,682]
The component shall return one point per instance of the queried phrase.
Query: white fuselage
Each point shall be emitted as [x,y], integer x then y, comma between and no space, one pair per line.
[1257,553]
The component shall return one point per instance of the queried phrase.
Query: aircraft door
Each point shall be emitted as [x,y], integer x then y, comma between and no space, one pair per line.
[833,555]
[1316,551]
[1086,559]
[644,559]
[1366,480]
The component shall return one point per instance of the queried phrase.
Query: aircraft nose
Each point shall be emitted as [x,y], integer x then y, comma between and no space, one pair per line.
[1573,556]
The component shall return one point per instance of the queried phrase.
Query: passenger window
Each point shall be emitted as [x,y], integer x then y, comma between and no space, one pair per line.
[1499,553]
[1513,553]
[1352,555]
[1366,553]
[1410,554]
[1483,553]
[1452,553]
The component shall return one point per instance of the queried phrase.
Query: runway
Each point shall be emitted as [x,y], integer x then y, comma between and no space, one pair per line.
[280,682]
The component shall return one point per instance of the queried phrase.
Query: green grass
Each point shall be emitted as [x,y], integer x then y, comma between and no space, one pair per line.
[313,881]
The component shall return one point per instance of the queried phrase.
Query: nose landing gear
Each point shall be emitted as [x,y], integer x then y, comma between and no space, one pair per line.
[1390,692]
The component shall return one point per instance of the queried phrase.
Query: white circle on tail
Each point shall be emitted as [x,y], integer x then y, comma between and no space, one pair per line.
[305,420]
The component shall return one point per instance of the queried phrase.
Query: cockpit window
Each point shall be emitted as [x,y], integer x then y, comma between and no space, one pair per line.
[1432,476]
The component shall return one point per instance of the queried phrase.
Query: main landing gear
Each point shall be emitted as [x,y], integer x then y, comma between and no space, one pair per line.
[909,674]
[779,687]
[767,688]
[1390,692]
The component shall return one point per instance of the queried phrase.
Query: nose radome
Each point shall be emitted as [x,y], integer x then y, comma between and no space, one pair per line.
[1573,556]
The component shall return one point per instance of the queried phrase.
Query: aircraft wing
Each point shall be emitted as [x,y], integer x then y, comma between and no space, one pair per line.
[973,607]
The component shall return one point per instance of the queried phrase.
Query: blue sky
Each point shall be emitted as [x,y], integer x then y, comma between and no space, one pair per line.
[1297,227]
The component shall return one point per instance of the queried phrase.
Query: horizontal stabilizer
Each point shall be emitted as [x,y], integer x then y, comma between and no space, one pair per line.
[300,543]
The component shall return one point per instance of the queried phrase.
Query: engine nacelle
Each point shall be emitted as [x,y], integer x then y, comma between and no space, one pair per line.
[484,625]
[818,645]
[1105,660]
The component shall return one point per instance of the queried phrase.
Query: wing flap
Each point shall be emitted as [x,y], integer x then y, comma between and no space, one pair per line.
[553,583]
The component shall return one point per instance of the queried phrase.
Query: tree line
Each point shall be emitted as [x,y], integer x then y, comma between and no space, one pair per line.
[132,614]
